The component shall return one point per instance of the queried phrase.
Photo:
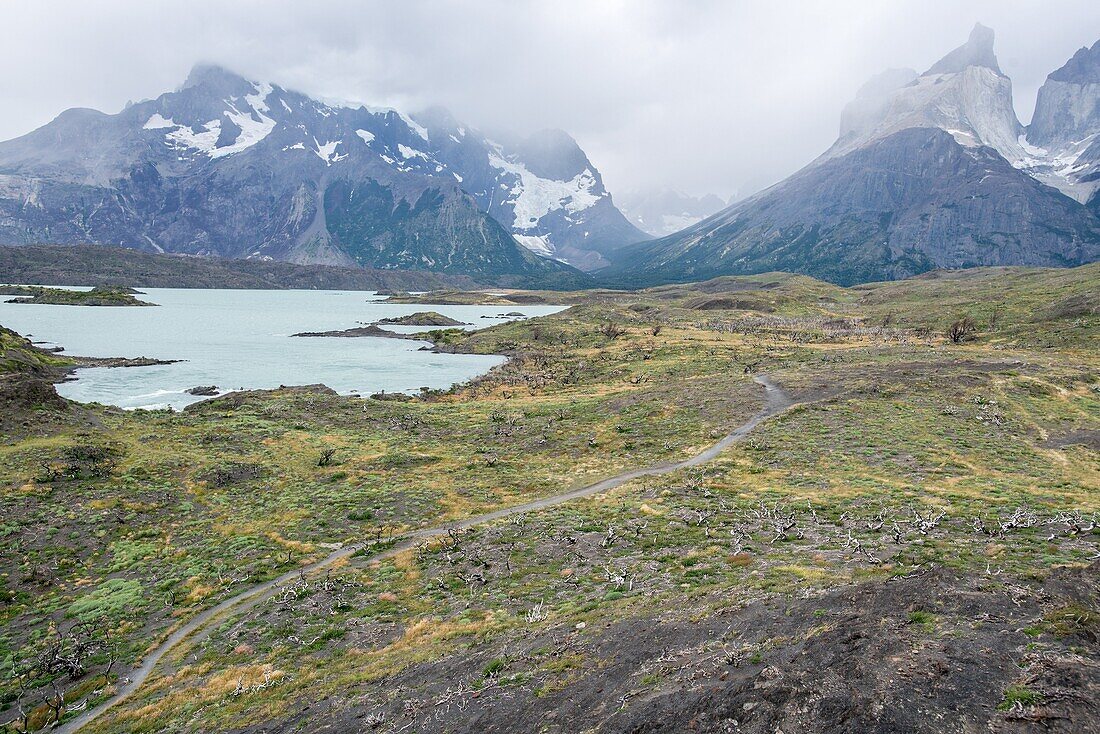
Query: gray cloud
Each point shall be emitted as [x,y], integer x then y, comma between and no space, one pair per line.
[704,96]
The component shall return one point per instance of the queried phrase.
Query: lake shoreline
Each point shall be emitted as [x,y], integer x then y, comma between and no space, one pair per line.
[238,340]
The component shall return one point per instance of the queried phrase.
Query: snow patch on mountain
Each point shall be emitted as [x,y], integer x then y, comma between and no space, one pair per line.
[157,122]
[327,152]
[1060,166]
[366,135]
[415,126]
[253,124]
[538,244]
[258,101]
[533,197]
[252,130]
[407,152]
[184,138]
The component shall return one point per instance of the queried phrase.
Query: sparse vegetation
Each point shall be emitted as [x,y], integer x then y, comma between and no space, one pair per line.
[98,296]
[916,487]
[1019,697]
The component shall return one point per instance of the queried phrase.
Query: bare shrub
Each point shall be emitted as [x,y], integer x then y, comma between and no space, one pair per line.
[611,330]
[962,330]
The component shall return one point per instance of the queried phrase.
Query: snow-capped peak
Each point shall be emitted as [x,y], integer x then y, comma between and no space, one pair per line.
[542,187]
[237,108]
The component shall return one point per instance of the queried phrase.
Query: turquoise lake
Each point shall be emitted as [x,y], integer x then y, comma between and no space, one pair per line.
[241,339]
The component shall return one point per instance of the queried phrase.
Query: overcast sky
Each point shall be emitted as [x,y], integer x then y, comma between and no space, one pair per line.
[700,95]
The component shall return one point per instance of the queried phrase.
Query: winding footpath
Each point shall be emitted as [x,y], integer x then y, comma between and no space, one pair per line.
[775,401]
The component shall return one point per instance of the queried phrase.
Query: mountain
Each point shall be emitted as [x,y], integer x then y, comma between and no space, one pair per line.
[1064,136]
[234,168]
[929,171]
[542,187]
[661,212]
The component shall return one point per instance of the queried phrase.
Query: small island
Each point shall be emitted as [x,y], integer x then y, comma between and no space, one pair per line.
[98,296]
[423,318]
[466,298]
[357,331]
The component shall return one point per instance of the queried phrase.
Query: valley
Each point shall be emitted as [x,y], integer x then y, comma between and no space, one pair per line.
[914,473]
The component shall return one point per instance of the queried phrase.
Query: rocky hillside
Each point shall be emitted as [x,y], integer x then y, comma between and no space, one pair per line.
[930,170]
[87,265]
[28,401]
[230,167]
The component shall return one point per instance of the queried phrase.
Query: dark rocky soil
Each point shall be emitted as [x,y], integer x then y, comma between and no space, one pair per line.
[931,653]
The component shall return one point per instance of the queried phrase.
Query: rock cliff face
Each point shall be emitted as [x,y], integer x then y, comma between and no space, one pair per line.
[929,171]
[226,166]
[1064,135]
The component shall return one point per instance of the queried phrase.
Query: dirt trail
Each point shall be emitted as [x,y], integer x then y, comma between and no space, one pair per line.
[775,401]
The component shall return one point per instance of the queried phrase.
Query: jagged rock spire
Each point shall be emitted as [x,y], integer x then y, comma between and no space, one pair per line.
[977,51]
[1082,68]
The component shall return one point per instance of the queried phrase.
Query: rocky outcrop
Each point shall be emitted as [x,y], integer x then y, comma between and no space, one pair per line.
[358,331]
[1067,108]
[1064,135]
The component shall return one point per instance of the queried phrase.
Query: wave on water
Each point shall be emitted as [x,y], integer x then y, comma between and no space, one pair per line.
[158,394]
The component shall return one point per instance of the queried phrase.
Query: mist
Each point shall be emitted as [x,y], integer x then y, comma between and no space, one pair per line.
[704,97]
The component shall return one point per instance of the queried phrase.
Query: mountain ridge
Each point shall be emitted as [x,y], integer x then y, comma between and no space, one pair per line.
[231,167]
[928,171]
